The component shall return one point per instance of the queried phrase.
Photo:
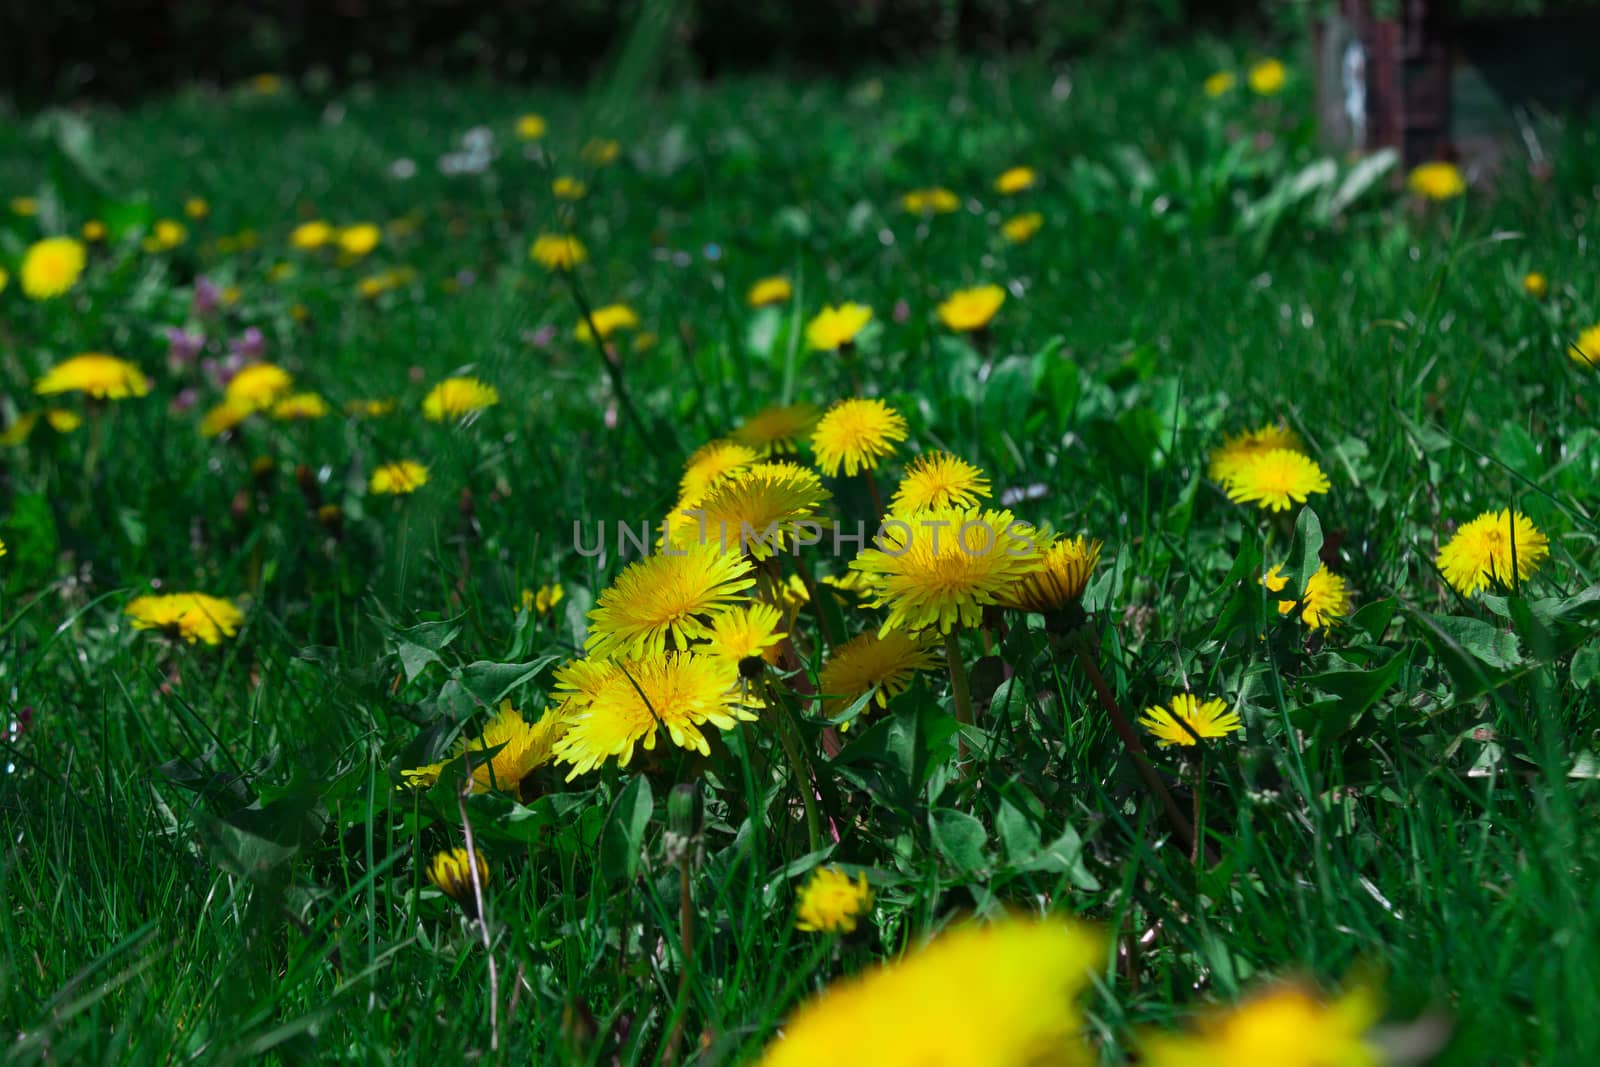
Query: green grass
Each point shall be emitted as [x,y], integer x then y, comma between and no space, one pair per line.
[205,853]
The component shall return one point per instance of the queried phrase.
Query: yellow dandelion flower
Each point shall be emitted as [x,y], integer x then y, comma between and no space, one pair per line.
[1535,285]
[854,435]
[607,320]
[1172,725]
[370,408]
[567,187]
[882,665]
[24,206]
[932,201]
[1480,554]
[939,480]
[678,692]
[756,510]
[60,420]
[266,84]
[456,398]
[834,327]
[311,235]
[1587,349]
[667,597]
[1019,229]
[1267,77]
[1220,83]
[1276,479]
[1327,599]
[299,406]
[1058,580]
[451,873]
[5,278]
[530,127]
[777,428]
[360,239]
[557,251]
[258,386]
[94,230]
[600,152]
[830,903]
[971,309]
[1286,1025]
[196,208]
[1002,995]
[942,567]
[1236,451]
[1437,181]
[399,478]
[167,234]
[774,290]
[711,464]
[224,417]
[94,374]
[516,749]
[191,616]
[1016,180]
[745,636]
[52,266]
[545,600]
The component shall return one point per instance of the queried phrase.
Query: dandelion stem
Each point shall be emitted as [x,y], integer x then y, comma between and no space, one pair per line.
[477,899]
[1130,740]
[959,684]
[800,766]
[816,604]
[877,498]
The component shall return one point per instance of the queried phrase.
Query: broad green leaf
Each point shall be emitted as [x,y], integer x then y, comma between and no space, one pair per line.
[622,840]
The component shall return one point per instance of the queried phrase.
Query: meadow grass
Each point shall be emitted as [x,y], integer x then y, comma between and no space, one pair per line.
[206,853]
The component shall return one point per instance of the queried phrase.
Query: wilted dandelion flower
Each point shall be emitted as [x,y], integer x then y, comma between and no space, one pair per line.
[745,636]
[834,327]
[258,386]
[1002,995]
[1587,349]
[451,874]
[607,320]
[1219,83]
[398,478]
[882,665]
[934,201]
[667,597]
[94,374]
[1267,77]
[1015,180]
[191,616]
[755,510]
[454,398]
[311,235]
[1210,718]
[1480,553]
[1058,578]
[1021,228]
[52,266]
[299,406]
[774,290]
[1276,479]
[1236,451]
[360,239]
[1437,181]
[1286,1025]
[530,127]
[856,435]
[677,692]
[566,187]
[711,464]
[941,568]
[557,252]
[1535,285]
[831,903]
[777,429]
[971,309]
[516,749]
[1326,600]
[939,480]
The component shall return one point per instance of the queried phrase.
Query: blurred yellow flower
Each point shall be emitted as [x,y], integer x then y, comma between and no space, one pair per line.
[558,251]
[939,480]
[398,479]
[1186,717]
[266,84]
[1219,83]
[568,188]
[856,435]
[60,420]
[370,408]
[1019,229]
[600,152]
[258,386]
[1587,348]
[607,320]
[360,239]
[530,127]
[1016,180]
[166,234]
[456,397]
[1286,1025]
[1481,552]
[1274,480]
[4,279]
[52,266]
[24,206]
[544,601]
[971,309]
[1267,77]
[1234,452]
[312,234]
[225,416]
[196,208]
[1437,181]
[1535,285]
[778,428]
[94,230]
[773,290]
[94,374]
[711,464]
[519,748]
[834,327]
[934,201]
[191,616]
[830,903]
[299,406]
